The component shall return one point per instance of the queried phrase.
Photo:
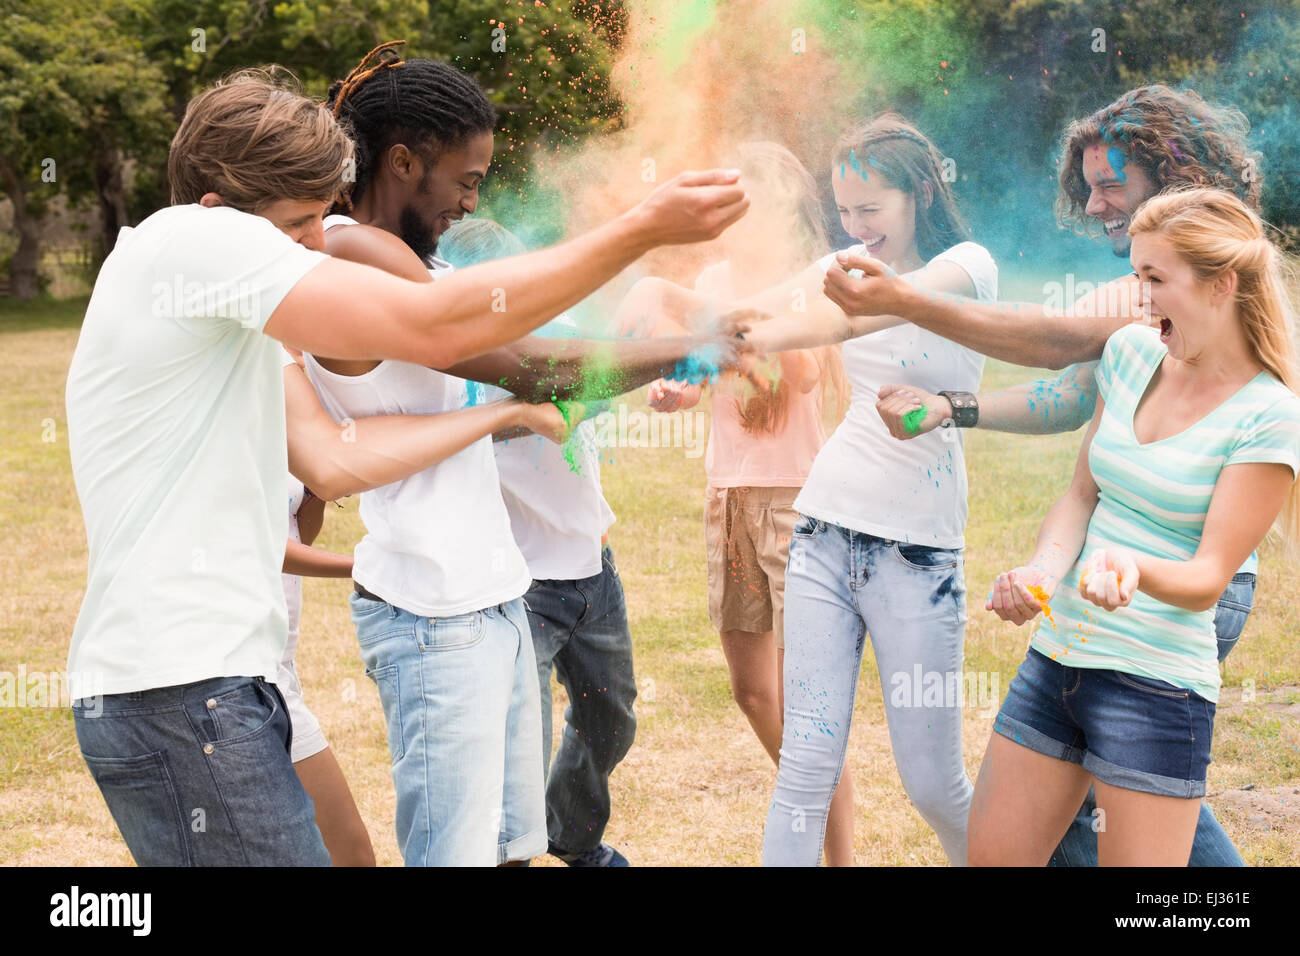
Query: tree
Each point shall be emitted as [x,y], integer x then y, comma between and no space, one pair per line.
[75,96]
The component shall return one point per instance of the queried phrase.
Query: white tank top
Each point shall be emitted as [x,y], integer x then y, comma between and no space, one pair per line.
[437,543]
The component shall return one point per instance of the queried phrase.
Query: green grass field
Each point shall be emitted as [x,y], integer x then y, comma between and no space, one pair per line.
[695,787]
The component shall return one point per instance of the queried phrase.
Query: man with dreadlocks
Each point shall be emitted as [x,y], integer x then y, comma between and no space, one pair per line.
[439,570]
[176,427]
[1150,140]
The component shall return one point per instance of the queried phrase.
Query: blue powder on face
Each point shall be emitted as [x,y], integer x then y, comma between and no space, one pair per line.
[699,366]
[1115,156]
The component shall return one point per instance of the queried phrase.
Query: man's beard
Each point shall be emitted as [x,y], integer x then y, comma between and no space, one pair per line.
[417,234]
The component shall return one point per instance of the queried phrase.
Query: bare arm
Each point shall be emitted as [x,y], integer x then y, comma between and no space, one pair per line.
[349,311]
[310,517]
[825,321]
[538,369]
[1060,539]
[1017,332]
[312,562]
[334,459]
[1247,499]
[1046,407]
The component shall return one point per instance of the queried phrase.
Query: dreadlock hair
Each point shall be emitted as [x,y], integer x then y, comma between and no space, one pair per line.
[421,103]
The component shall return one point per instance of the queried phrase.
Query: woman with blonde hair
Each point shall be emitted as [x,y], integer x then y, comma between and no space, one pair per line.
[1191,456]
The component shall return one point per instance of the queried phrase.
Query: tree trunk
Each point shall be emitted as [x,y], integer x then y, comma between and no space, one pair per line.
[113,213]
[22,267]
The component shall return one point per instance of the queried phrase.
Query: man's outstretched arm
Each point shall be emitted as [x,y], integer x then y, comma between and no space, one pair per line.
[1017,332]
[351,311]
[1062,403]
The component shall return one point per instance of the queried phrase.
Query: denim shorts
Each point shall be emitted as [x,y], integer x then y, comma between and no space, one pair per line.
[199,775]
[1126,730]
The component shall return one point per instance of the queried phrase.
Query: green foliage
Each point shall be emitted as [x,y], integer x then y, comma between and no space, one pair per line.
[72,84]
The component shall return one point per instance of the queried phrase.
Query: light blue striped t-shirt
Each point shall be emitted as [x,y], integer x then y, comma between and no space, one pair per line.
[1153,500]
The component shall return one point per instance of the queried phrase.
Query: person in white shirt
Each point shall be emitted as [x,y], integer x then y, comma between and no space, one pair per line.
[878,546]
[364,454]
[576,608]
[177,437]
[439,579]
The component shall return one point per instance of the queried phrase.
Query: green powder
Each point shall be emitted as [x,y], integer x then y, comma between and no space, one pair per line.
[913,419]
[568,451]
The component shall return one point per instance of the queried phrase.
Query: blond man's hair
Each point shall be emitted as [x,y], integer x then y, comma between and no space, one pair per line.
[253,139]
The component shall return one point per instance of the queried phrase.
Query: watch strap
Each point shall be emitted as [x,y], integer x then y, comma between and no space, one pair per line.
[965,408]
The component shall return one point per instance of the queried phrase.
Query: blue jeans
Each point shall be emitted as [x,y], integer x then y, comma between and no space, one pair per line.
[460,704]
[580,628]
[1211,846]
[199,775]
[840,585]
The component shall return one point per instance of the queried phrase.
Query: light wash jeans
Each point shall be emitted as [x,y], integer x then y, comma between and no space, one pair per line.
[464,730]
[839,586]
[1212,846]
[580,628]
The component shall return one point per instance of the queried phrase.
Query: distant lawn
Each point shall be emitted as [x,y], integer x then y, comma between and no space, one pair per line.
[695,787]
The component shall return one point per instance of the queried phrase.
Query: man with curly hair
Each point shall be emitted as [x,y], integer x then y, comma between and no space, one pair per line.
[1150,140]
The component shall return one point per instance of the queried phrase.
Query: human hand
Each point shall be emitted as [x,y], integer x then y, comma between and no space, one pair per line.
[554,421]
[692,207]
[1109,578]
[1011,598]
[908,411]
[666,395]
[879,290]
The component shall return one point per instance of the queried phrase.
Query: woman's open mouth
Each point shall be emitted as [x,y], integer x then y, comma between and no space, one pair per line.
[1166,329]
[874,247]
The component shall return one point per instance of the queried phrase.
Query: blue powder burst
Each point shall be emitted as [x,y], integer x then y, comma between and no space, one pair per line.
[699,366]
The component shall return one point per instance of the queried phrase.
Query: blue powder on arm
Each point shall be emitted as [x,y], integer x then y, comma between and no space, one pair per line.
[699,366]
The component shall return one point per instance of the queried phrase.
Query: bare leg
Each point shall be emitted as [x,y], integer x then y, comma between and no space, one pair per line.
[337,816]
[1023,803]
[1144,829]
[756,684]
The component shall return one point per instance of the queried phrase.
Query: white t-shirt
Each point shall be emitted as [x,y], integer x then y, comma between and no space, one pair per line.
[177,435]
[558,513]
[866,480]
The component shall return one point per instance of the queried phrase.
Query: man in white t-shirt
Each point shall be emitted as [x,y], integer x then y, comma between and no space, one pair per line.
[439,568]
[576,608]
[177,438]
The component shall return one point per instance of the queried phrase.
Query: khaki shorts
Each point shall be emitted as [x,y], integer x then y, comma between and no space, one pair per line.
[747,535]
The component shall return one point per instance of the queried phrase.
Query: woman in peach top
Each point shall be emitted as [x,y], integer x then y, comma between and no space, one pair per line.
[761,447]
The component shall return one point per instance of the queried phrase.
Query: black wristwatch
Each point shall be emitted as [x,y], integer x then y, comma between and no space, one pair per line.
[965,409]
